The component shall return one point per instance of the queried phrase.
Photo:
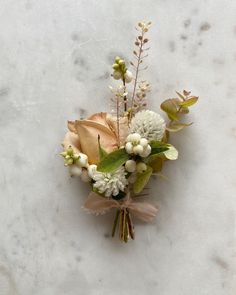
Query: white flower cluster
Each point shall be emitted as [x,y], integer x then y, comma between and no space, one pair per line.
[149,125]
[137,145]
[108,184]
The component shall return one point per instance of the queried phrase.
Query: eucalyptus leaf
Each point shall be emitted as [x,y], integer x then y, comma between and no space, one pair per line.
[142,180]
[171,153]
[177,127]
[113,161]
[171,107]
[189,102]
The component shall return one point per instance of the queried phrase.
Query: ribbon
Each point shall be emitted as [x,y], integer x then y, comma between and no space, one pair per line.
[96,204]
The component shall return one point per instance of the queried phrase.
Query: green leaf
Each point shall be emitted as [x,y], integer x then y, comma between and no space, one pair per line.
[102,152]
[171,107]
[177,127]
[158,147]
[189,102]
[113,161]
[171,153]
[156,164]
[142,180]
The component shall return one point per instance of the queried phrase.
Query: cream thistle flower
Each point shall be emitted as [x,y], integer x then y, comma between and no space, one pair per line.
[110,183]
[148,124]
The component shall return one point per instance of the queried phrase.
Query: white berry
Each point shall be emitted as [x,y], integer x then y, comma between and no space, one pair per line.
[143,142]
[128,77]
[141,167]
[91,170]
[129,147]
[82,161]
[75,170]
[134,137]
[146,152]
[130,165]
[138,149]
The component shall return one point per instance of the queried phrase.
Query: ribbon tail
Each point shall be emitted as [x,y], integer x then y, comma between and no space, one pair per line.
[143,210]
[96,204]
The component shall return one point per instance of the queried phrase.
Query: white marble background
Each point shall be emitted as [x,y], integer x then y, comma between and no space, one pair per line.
[55,59]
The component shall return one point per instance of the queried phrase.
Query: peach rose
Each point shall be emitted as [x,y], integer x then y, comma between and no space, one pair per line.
[83,135]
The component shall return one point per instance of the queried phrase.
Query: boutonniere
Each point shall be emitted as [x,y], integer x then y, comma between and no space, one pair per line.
[117,152]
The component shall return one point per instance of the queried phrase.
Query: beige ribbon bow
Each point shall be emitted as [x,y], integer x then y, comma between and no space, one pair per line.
[96,204]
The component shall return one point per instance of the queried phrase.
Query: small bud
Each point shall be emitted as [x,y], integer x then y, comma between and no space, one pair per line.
[70,151]
[63,154]
[69,161]
[121,62]
[115,66]
[140,38]
[117,59]
[145,40]
[137,43]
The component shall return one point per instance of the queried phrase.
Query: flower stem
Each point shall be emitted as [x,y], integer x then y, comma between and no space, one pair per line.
[115,223]
[137,69]
[125,97]
[118,121]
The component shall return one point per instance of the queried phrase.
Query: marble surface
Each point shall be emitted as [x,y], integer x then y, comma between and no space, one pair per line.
[55,59]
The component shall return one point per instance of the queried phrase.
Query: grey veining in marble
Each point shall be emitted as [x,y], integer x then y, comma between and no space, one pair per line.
[55,59]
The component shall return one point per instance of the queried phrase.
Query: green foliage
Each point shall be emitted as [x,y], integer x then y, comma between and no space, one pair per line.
[102,152]
[158,147]
[156,163]
[142,180]
[171,107]
[113,161]
[175,107]
[175,127]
